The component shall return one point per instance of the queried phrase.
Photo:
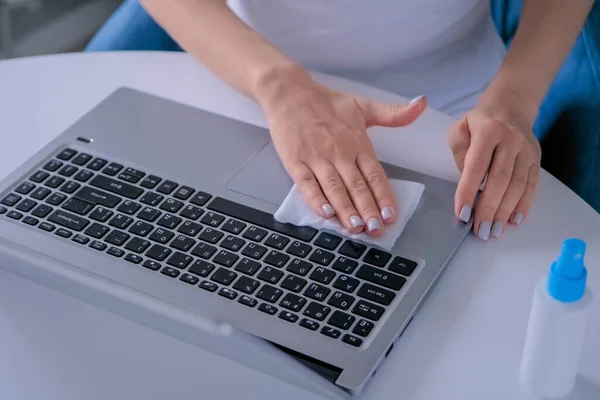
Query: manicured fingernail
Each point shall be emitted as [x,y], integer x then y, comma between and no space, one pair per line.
[373,224]
[497,229]
[518,218]
[416,99]
[328,210]
[356,221]
[465,213]
[387,213]
[484,230]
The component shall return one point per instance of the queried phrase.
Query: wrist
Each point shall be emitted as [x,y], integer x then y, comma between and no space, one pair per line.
[277,81]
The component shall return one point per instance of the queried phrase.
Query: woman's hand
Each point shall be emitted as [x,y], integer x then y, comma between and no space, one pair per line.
[496,139]
[320,136]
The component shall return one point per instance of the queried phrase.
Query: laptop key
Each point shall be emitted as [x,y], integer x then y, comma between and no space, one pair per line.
[116,252]
[317,292]
[212,219]
[376,294]
[167,187]
[368,310]
[180,260]
[149,214]
[169,271]
[271,275]
[254,250]
[129,207]
[201,268]
[288,316]
[269,293]
[11,199]
[77,206]
[276,259]
[381,277]
[117,237]
[183,243]
[206,285]
[161,236]
[171,205]
[101,214]
[32,221]
[233,226]
[117,187]
[26,205]
[14,215]
[223,276]
[292,302]
[158,252]
[210,235]
[200,198]
[66,154]
[309,324]
[152,199]
[96,230]
[47,227]
[137,245]
[56,199]
[299,267]
[268,309]
[131,175]
[97,164]
[255,234]
[191,212]
[328,241]
[63,233]
[98,245]
[70,187]
[299,249]
[277,241]
[363,328]
[112,169]
[190,228]
[344,264]
[39,176]
[331,332]
[248,301]
[41,193]
[133,258]
[183,193]
[80,239]
[97,197]
[204,250]
[25,188]
[352,249]
[341,320]
[150,181]
[322,275]
[68,220]
[341,300]
[377,257]
[346,283]
[247,266]
[169,221]
[189,278]
[293,283]
[228,293]
[3,210]
[83,176]
[81,159]
[402,266]
[68,170]
[246,285]
[226,258]
[232,243]
[352,340]
[53,165]
[152,265]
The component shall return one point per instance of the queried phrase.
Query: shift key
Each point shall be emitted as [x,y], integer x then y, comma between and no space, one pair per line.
[95,196]
[68,220]
[117,187]
[380,277]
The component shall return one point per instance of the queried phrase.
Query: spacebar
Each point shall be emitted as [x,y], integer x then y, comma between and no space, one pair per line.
[261,218]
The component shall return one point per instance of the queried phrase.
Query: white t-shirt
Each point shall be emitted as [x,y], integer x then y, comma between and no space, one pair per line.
[447,50]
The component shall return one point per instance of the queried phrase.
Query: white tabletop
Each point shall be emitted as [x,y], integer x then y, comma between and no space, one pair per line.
[465,343]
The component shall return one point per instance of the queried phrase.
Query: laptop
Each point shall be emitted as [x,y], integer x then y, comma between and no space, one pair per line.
[162,213]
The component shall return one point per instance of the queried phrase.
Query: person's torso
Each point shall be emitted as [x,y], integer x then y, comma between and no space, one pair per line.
[445,49]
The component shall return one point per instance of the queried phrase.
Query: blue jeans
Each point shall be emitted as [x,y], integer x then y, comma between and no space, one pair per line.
[572,104]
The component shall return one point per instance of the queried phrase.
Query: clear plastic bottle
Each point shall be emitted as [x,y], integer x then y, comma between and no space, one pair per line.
[557,325]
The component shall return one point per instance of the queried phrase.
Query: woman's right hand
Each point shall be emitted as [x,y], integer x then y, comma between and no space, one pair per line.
[320,136]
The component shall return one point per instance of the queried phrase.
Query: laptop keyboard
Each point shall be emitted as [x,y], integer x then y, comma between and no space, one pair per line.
[319,281]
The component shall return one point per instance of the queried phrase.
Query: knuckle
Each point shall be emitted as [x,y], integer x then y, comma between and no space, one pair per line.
[375,178]
[369,210]
[486,210]
[357,185]
[500,174]
[333,183]
[519,181]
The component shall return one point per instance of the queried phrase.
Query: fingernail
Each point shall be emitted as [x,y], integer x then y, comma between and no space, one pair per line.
[373,224]
[518,218]
[465,213]
[356,221]
[497,229]
[416,99]
[328,210]
[387,213]
[484,230]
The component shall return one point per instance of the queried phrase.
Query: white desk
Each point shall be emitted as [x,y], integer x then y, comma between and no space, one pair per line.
[465,343]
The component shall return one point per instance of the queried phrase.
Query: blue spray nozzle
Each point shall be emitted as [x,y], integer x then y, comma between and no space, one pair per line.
[567,278]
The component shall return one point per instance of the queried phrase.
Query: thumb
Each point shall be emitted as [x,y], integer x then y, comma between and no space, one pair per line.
[393,115]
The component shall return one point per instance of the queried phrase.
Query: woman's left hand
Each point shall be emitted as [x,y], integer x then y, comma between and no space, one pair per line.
[496,139]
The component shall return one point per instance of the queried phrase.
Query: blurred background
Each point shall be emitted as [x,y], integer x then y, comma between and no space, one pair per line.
[36,27]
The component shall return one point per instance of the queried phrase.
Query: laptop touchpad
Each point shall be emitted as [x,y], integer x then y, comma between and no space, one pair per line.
[263,177]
